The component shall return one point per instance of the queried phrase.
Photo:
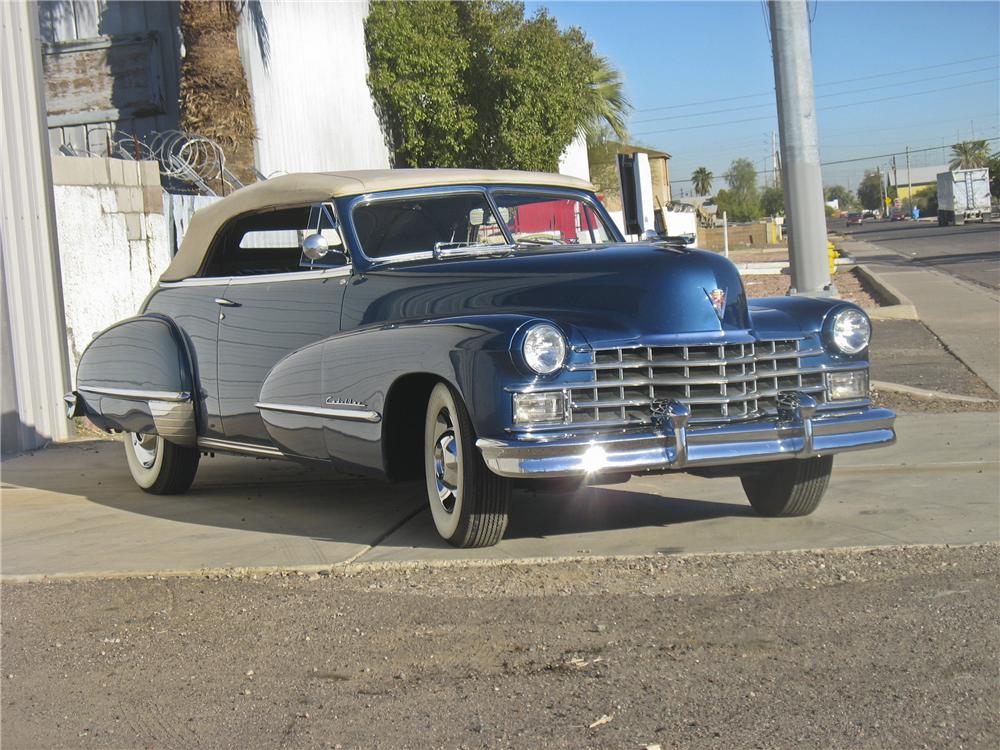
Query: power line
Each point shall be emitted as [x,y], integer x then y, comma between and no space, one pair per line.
[820,96]
[861,158]
[820,109]
[828,83]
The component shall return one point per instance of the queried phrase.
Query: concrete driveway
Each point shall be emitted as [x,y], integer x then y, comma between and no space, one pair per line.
[73,510]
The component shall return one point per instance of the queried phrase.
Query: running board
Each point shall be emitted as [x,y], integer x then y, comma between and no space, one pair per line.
[243,449]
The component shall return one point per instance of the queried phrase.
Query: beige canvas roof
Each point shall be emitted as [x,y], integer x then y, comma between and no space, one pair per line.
[314,187]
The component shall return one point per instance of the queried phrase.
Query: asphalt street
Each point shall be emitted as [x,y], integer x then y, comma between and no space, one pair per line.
[970,252]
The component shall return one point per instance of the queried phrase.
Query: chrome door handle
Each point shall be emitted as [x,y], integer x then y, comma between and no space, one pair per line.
[226,302]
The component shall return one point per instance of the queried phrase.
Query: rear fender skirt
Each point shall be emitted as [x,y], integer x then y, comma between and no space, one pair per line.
[137,376]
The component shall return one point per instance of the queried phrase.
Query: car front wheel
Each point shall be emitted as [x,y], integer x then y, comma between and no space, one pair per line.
[788,488]
[160,467]
[468,501]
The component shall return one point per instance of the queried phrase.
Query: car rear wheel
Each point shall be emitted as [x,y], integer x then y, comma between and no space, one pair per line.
[468,502]
[160,467]
[788,488]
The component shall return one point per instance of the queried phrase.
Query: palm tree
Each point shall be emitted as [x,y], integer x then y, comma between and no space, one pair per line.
[606,105]
[969,155]
[702,180]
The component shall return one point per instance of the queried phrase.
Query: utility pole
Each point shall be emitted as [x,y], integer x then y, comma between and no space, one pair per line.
[802,177]
[881,192]
[909,183]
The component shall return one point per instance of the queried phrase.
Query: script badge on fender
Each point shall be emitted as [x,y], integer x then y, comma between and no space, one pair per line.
[718,299]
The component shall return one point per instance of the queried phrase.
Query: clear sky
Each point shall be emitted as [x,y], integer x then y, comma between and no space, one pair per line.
[935,66]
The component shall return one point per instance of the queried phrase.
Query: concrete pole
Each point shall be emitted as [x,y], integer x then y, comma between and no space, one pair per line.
[35,366]
[803,180]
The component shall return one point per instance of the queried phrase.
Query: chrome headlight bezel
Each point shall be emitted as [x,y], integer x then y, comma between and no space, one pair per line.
[849,331]
[543,348]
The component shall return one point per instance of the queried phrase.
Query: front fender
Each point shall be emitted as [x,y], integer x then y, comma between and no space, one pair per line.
[328,400]
[137,376]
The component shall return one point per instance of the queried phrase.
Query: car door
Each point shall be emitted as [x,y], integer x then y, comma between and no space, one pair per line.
[278,301]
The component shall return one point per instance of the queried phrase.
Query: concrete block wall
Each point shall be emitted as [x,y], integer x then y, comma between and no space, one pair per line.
[761,234]
[113,241]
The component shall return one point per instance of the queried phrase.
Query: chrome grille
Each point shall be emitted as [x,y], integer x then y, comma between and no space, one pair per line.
[720,383]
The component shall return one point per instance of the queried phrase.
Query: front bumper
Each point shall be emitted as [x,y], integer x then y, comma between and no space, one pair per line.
[797,432]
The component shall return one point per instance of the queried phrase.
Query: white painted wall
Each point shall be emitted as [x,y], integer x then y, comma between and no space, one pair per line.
[113,242]
[311,101]
[574,161]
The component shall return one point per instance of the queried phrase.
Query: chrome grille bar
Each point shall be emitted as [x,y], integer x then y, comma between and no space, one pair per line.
[720,382]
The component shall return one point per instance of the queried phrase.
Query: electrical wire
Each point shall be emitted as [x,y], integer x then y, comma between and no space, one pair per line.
[819,109]
[818,96]
[861,158]
[819,85]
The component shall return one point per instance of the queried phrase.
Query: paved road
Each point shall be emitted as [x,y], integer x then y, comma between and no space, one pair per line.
[970,252]
[75,510]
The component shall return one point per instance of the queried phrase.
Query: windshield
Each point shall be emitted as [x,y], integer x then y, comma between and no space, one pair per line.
[426,223]
[545,218]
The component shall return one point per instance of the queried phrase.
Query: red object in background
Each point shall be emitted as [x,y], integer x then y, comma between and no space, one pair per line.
[537,218]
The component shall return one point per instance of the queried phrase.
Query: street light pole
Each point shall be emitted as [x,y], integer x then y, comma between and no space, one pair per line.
[799,137]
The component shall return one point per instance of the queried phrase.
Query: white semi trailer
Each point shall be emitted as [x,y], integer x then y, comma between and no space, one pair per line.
[963,195]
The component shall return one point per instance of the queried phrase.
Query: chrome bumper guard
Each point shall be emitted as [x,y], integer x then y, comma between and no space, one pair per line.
[796,432]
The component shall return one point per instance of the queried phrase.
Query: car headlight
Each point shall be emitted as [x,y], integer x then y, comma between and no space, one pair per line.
[544,348]
[850,331]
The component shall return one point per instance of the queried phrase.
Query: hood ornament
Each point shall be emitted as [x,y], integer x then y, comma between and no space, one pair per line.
[718,299]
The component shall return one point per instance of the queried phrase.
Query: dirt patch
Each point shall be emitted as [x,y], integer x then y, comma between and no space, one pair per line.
[881,648]
[850,286]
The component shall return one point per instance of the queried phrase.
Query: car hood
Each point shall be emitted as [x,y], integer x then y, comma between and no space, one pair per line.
[606,294]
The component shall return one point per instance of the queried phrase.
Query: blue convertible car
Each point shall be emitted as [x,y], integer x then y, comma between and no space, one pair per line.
[476,329]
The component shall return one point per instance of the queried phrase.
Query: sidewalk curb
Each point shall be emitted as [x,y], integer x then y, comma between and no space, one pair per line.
[898,306]
[910,390]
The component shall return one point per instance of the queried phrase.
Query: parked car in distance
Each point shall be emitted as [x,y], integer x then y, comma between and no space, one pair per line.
[855,217]
[474,329]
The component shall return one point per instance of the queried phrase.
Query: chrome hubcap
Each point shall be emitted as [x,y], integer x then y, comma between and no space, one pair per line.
[446,465]
[144,447]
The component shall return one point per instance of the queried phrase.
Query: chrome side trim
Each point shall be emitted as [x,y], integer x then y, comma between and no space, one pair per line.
[356,414]
[266,278]
[133,394]
[229,446]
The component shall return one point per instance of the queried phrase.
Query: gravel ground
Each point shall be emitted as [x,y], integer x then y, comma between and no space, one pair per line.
[849,285]
[879,648]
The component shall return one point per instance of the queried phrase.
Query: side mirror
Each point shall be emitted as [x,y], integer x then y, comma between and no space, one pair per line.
[315,246]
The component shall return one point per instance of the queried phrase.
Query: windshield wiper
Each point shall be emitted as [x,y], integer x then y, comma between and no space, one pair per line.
[458,249]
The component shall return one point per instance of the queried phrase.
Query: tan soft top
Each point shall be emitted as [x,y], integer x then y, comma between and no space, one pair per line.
[315,187]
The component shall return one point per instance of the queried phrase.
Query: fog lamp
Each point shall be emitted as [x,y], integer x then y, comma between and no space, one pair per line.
[532,408]
[848,385]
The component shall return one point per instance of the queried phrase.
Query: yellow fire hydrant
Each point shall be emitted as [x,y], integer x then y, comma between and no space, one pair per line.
[832,254]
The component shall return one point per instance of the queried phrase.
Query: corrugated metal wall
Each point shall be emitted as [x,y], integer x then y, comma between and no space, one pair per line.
[69,27]
[34,335]
[311,100]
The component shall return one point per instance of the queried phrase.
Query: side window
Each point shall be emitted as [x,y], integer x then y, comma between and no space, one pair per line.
[275,241]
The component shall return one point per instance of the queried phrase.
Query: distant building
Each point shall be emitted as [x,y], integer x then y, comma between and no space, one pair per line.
[920,178]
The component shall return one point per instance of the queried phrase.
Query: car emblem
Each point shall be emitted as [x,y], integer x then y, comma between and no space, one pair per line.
[718,299]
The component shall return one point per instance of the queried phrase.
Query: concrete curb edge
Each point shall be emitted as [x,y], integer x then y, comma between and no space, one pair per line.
[910,390]
[899,306]
[348,568]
